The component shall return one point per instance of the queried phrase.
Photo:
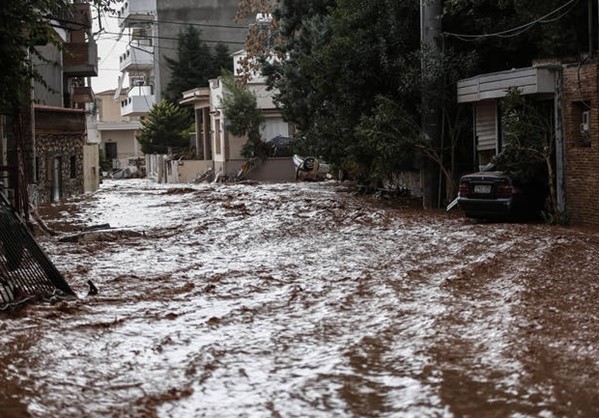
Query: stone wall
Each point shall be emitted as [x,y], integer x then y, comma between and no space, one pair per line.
[59,140]
[580,94]
[62,154]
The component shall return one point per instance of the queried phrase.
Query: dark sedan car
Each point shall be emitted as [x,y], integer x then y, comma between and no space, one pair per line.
[494,194]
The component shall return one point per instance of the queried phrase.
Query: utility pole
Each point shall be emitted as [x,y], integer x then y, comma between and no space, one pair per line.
[430,39]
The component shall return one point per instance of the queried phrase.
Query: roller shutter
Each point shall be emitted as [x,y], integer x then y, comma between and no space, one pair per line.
[486,125]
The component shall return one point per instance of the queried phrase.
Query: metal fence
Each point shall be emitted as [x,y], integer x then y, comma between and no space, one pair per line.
[25,270]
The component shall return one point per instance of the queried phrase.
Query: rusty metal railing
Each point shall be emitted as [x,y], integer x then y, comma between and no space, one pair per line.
[25,269]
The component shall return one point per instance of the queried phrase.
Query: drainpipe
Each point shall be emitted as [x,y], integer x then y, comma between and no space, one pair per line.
[559,145]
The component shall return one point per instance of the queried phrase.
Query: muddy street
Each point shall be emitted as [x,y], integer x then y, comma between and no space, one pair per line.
[304,300]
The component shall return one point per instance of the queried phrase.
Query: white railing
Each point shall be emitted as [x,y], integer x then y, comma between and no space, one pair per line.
[138,57]
[137,105]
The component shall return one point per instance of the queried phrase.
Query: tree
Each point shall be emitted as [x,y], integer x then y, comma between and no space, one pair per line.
[222,59]
[529,146]
[196,63]
[244,118]
[347,65]
[510,33]
[340,56]
[193,67]
[165,130]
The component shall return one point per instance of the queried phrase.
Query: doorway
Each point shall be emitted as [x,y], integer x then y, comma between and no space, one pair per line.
[110,152]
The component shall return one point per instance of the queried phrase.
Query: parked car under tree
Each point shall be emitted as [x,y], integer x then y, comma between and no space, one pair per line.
[497,195]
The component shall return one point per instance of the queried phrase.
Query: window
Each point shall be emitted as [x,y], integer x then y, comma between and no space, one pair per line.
[581,123]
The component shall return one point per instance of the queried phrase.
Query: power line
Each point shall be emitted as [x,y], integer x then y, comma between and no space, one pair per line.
[111,50]
[170,38]
[160,47]
[181,23]
[518,30]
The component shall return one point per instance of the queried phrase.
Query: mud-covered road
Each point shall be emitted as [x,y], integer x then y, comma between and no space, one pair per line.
[304,300]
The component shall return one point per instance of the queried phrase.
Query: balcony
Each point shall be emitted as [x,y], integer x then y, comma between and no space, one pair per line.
[81,95]
[139,101]
[138,58]
[135,12]
[80,59]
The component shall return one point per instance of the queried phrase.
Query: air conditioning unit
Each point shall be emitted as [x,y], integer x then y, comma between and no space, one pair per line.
[586,119]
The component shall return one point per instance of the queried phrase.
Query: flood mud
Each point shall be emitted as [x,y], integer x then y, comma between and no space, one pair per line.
[303,300]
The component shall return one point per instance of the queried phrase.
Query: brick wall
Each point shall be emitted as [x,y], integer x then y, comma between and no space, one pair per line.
[580,94]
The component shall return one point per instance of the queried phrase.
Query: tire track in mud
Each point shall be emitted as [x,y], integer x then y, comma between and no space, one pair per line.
[475,351]
[485,355]
[560,317]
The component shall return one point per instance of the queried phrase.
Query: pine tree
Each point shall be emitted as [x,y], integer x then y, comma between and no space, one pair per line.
[193,67]
[164,130]
[222,59]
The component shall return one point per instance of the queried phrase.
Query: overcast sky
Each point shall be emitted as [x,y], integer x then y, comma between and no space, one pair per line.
[109,50]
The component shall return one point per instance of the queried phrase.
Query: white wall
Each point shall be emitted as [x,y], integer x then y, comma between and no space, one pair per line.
[91,168]
[126,144]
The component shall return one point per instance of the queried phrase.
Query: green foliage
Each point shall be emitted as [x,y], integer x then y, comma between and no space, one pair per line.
[560,35]
[243,118]
[348,65]
[529,147]
[165,129]
[195,64]
[222,60]
[342,57]
[528,138]
[387,141]
[17,46]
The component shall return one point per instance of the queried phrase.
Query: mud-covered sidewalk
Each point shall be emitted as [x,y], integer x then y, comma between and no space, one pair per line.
[303,300]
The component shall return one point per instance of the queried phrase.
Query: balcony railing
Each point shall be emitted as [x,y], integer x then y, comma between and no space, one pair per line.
[137,58]
[81,95]
[136,11]
[80,59]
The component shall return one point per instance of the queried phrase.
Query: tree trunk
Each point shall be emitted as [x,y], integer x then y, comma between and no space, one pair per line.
[556,217]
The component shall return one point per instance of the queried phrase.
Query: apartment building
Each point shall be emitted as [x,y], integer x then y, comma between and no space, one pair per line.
[48,158]
[151,27]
